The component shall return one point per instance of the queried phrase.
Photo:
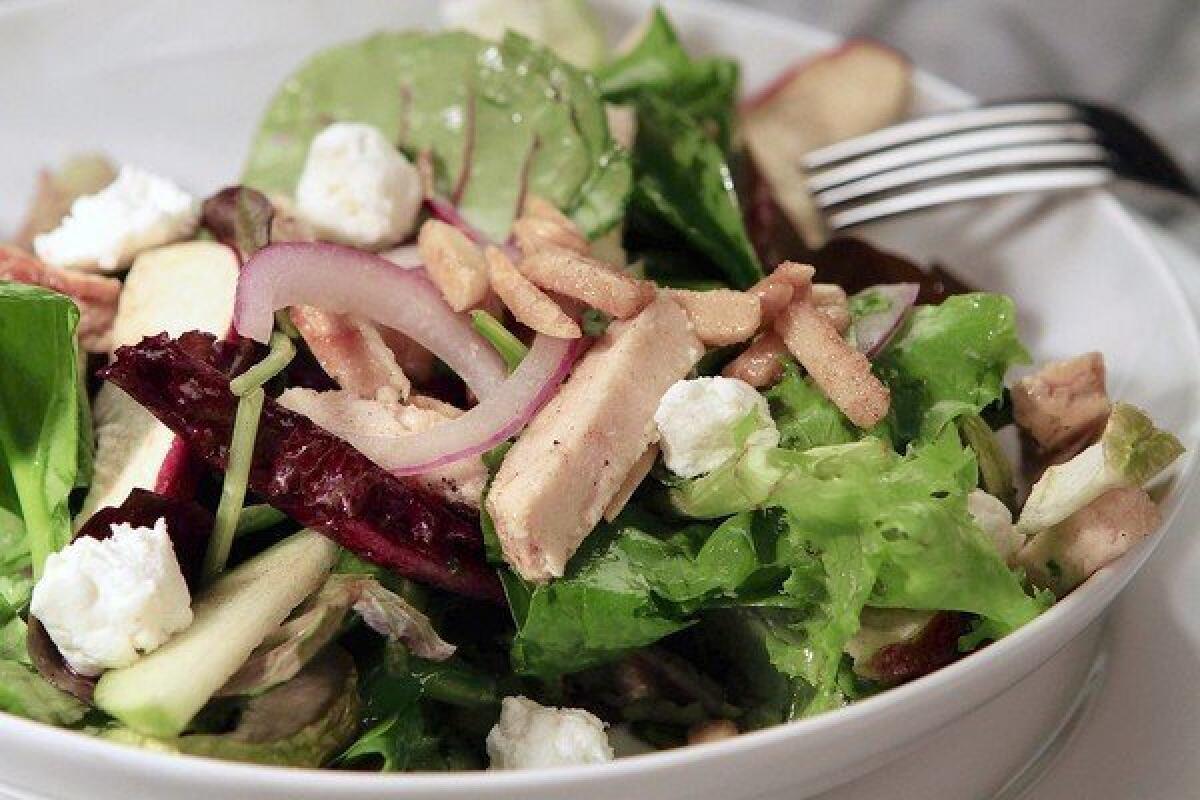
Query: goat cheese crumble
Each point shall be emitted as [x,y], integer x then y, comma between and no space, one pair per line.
[357,188]
[104,601]
[530,735]
[697,419]
[104,231]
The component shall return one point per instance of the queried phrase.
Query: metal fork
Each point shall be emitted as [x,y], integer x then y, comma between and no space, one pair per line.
[1034,145]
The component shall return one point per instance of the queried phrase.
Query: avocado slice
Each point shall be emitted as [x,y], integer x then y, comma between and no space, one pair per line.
[159,694]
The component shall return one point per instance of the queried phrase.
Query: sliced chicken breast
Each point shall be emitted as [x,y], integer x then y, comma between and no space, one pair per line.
[573,459]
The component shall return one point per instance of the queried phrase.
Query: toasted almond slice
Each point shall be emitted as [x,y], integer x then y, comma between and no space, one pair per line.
[720,316]
[842,373]
[830,299]
[588,280]
[529,304]
[534,234]
[760,364]
[538,207]
[799,275]
[774,294]
[633,479]
[454,264]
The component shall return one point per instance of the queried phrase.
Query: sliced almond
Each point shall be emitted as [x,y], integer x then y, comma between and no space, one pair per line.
[841,372]
[534,234]
[798,275]
[830,299]
[774,294]
[528,304]
[454,264]
[760,364]
[720,316]
[588,280]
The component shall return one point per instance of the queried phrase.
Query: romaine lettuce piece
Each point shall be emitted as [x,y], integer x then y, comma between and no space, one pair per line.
[683,182]
[1131,451]
[45,434]
[704,89]
[949,360]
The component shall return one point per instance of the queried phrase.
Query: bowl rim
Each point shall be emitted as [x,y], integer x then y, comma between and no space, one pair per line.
[1068,615]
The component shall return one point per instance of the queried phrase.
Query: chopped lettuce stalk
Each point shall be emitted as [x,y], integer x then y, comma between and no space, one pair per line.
[1131,452]
[510,348]
[233,489]
[280,355]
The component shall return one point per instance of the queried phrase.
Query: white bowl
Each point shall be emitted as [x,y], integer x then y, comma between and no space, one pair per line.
[178,87]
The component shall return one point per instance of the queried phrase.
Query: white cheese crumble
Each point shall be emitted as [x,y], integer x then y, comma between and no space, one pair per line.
[530,735]
[357,188]
[104,601]
[104,231]
[696,420]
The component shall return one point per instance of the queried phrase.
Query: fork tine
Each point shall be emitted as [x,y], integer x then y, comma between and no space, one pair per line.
[1041,180]
[1062,154]
[949,145]
[941,124]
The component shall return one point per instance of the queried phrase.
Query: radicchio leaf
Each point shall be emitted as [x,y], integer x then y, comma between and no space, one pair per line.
[312,476]
[240,218]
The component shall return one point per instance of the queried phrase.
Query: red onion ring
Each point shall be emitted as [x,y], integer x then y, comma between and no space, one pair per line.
[342,279]
[497,418]
[872,332]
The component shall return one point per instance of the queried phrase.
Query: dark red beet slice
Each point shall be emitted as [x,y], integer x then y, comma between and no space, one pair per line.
[188,524]
[306,472]
[931,649]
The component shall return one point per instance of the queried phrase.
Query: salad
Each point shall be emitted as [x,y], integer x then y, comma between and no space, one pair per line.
[515,409]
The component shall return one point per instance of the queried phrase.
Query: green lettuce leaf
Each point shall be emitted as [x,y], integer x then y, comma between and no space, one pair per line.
[704,89]
[25,693]
[600,609]
[805,416]
[500,120]
[402,729]
[949,360]
[683,182]
[44,441]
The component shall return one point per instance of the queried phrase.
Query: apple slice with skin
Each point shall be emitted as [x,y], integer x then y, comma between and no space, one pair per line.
[177,288]
[859,87]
